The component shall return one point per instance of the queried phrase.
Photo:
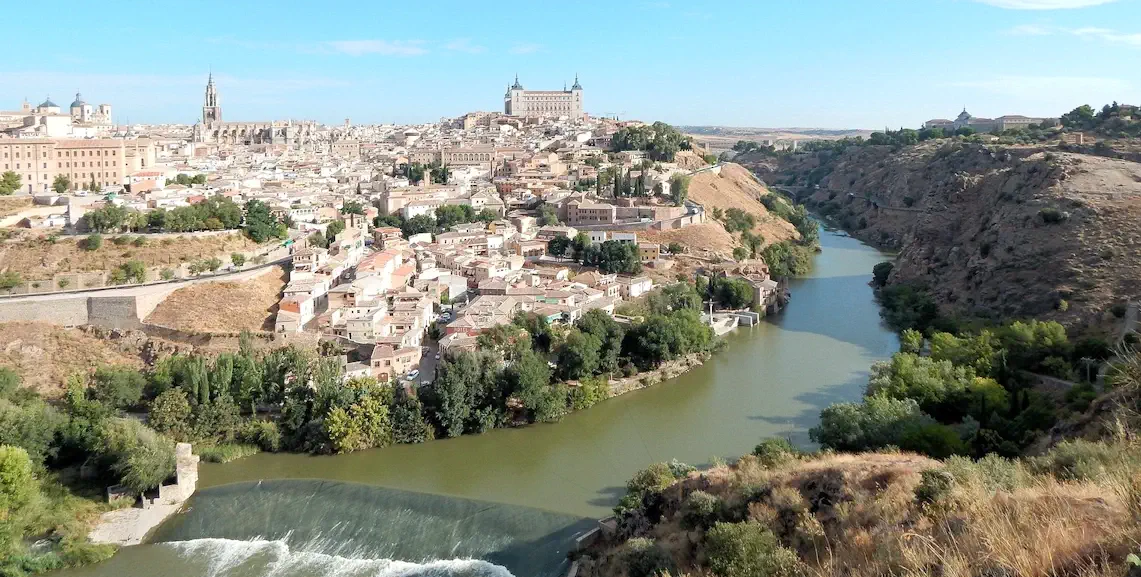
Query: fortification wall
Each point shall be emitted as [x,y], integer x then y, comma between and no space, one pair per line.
[68,312]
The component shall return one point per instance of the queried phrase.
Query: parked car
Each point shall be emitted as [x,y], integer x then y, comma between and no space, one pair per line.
[437,356]
[415,373]
[425,383]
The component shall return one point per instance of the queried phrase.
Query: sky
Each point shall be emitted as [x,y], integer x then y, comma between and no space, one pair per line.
[760,63]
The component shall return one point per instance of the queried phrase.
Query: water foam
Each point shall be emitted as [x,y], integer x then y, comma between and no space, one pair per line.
[275,558]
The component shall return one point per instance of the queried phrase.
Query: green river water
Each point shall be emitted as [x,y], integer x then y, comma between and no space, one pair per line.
[510,501]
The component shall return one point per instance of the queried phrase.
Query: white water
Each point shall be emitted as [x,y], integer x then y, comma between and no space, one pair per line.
[275,558]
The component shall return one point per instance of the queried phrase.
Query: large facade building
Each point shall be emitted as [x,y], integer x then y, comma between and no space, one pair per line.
[1000,124]
[107,161]
[543,103]
[212,129]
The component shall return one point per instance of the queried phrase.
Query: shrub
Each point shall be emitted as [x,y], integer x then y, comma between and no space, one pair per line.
[141,458]
[121,240]
[139,241]
[748,550]
[93,241]
[880,273]
[700,510]
[63,283]
[934,485]
[680,470]
[226,452]
[1051,215]
[934,440]
[170,414]
[118,387]
[166,274]
[992,472]
[264,434]
[1076,460]
[644,558]
[651,479]
[238,259]
[774,452]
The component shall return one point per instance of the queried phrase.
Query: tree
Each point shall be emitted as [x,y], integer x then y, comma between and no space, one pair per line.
[880,273]
[9,183]
[450,215]
[529,380]
[548,216]
[261,225]
[353,207]
[558,246]
[732,293]
[578,355]
[61,184]
[938,386]
[679,189]
[238,259]
[418,224]
[579,244]
[18,485]
[117,386]
[140,457]
[875,423]
[408,423]
[618,257]
[10,280]
[609,333]
[170,414]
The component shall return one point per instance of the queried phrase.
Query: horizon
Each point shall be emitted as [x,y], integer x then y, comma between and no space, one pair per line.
[896,64]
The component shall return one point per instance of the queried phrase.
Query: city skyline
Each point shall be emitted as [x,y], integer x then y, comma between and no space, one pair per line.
[819,63]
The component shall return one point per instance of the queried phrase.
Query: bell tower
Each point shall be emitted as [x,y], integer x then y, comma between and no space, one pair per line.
[211,112]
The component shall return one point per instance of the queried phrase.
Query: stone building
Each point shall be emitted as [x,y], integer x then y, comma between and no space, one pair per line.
[1000,124]
[212,129]
[543,103]
[107,161]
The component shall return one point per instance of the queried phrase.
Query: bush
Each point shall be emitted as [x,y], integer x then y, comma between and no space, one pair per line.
[1051,215]
[880,272]
[934,486]
[644,558]
[774,452]
[121,240]
[238,259]
[876,423]
[748,550]
[139,241]
[140,457]
[651,479]
[226,452]
[118,387]
[170,414]
[166,274]
[934,440]
[700,510]
[92,242]
[264,434]
[1074,461]
[992,472]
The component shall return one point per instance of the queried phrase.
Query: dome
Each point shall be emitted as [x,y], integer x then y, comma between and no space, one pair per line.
[78,101]
[47,103]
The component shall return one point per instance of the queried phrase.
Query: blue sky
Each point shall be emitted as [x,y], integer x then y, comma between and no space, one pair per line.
[804,63]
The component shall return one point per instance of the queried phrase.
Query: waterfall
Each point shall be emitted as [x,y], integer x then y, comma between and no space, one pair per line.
[276,558]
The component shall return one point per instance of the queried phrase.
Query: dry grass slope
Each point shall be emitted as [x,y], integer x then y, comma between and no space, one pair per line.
[859,516]
[45,355]
[223,306]
[39,258]
[735,187]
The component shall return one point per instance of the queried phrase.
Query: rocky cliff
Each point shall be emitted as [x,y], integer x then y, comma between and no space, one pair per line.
[992,231]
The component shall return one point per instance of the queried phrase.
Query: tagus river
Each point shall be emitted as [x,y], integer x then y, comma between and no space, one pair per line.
[509,502]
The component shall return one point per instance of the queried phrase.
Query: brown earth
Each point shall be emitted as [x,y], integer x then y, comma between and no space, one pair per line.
[974,223]
[223,306]
[40,258]
[689,160]
[45,355]
[13,205]
[705,237]
[736,187]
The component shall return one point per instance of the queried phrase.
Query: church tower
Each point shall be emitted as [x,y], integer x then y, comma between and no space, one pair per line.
[211,112]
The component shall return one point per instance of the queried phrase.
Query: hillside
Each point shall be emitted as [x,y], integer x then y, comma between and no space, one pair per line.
[223,306]
[45,355]
[737,188]
[992,231]
[781,513]
[34,257]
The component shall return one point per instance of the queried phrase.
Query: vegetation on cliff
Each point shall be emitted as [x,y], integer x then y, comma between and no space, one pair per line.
[1074,509]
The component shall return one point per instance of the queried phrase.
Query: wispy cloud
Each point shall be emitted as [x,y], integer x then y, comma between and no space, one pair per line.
[465,45]
[1108,35]
[1044,4]
[1102,34]
[525,48]
[382,47]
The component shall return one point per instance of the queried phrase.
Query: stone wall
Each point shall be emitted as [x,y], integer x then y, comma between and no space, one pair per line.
[68,312]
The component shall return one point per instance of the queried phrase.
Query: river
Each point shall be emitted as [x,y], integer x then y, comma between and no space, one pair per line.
[512,498]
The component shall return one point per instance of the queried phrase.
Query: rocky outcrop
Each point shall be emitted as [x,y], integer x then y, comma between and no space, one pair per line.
[992,231]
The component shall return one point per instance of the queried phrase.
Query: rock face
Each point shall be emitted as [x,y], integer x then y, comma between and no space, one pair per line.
[992,231]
